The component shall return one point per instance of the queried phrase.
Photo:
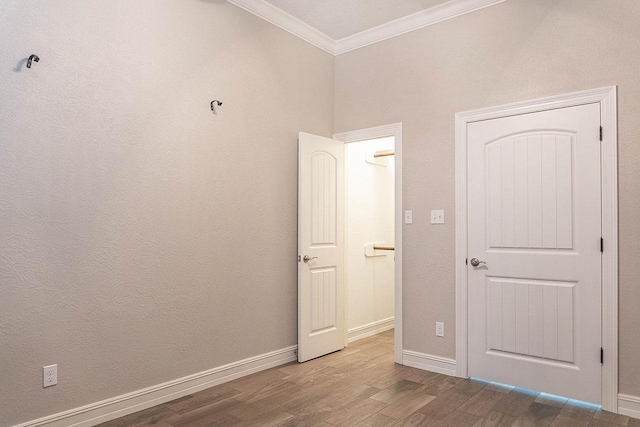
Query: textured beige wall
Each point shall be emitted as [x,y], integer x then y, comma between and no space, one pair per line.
[517,50]
[143,238]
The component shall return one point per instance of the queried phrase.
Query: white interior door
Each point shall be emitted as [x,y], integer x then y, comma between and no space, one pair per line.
[534,311]
[321,323]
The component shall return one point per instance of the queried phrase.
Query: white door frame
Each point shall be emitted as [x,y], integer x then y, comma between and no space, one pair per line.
[394,130]
[606,96]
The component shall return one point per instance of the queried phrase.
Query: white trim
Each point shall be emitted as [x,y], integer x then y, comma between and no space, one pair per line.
[428,362]
[461,245]
[287,22]
[607,98]
[394,130]
[609,121]
[629,405]
[115,407]
[370,329]
[424,18]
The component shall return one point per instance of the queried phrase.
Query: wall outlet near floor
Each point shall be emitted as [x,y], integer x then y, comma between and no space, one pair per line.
[49,375]
[439,329]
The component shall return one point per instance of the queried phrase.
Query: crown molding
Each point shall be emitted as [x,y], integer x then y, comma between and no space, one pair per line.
[293,25]
[424,18]
[287,22]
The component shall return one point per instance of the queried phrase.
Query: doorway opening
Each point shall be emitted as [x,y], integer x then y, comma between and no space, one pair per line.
[380,140]
[369,236]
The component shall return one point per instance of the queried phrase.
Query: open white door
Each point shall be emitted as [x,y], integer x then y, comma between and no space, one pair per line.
[534,229]
[321,325]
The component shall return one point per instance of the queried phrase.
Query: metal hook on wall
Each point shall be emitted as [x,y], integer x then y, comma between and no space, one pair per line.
[33,57]
[213,105]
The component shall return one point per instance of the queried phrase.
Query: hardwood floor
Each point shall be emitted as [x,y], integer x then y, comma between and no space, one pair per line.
[361,386]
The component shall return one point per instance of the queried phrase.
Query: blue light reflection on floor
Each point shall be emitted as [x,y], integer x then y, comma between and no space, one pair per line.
[573,402]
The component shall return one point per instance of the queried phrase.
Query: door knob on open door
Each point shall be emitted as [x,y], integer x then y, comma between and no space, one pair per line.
[476,262]
[308,258]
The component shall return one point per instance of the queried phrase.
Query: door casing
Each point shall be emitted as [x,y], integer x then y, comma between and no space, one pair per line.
[394,130]
[606,96]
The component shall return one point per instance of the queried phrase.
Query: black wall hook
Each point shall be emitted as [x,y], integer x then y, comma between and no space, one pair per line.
[33,57]
[213,105]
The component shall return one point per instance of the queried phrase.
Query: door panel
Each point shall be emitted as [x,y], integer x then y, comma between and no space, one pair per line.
[531,318]
[530,191]
[323,293]
[534,219]
[323,199]
[321,326]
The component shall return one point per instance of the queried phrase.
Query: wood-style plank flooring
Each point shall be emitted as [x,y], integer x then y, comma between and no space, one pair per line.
[361,386]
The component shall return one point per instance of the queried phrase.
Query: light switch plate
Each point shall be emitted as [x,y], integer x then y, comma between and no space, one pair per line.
[437,217]
[408,217]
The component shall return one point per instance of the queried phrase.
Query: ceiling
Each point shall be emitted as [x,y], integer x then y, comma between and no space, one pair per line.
[342,18]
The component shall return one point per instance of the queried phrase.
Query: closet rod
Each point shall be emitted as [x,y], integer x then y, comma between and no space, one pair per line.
[383,248]
[384,153]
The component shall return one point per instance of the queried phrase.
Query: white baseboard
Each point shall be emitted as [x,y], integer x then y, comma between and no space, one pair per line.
[629,405]
[370,329]
[428,362]
[110,409]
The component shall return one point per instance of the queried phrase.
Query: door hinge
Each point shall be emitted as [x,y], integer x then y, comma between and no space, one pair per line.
[601,355]
[466,261]
[601,244]
[600,133]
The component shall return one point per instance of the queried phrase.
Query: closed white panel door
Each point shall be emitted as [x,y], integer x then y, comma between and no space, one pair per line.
[321,325]
[534,232]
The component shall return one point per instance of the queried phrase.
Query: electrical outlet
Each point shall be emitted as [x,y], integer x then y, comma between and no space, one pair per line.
[439,329]
[437,217]
[49,375]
